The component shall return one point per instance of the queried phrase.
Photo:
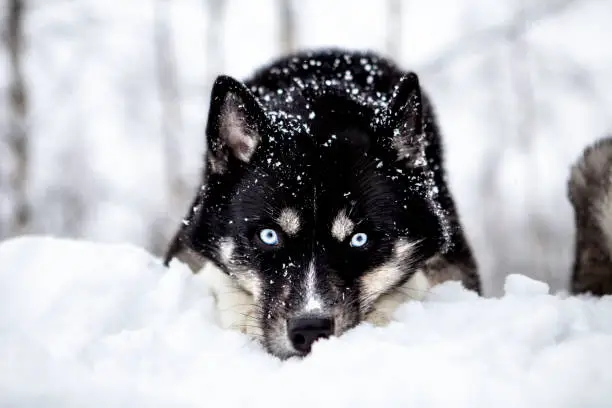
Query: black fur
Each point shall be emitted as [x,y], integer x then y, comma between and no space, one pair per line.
[319,132]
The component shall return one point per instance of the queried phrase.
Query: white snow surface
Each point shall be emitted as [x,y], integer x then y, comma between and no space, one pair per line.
[86,324]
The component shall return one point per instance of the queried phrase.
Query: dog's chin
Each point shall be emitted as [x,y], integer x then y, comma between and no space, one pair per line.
[238,310]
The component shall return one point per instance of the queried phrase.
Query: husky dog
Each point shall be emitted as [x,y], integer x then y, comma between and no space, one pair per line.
[324,201]
[590,192]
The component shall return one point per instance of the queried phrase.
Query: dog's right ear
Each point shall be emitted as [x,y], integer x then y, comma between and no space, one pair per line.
[236,123]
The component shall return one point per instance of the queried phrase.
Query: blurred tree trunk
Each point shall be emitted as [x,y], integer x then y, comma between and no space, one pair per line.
[17,135]
[214,52]
[520,70]
[394,29]
[171,123]
[287,32]
[214,42]
[494,217]
[540,233]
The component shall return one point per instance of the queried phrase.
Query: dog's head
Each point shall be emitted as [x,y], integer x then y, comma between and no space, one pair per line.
[316,214]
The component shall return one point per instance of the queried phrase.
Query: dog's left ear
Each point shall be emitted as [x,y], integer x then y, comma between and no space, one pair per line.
[406,106]
[236,122]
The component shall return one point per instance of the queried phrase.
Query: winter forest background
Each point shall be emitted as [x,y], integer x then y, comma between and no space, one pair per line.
[103,107]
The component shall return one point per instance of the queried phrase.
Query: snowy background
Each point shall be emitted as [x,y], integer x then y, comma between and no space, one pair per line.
[116,98]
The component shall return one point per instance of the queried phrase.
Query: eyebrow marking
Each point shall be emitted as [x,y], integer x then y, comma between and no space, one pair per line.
[342,226]
[289,221]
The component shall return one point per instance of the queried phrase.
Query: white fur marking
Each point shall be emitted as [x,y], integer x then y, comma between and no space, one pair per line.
[342,226]
[313,302]
[416,288]
[388,274]
[248,280]
[237,309]
[289,221]
[226,250]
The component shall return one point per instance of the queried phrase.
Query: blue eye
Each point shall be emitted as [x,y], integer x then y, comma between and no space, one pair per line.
[268,236]
[358,240]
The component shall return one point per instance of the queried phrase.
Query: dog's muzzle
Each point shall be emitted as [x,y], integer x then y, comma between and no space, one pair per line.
[305,330]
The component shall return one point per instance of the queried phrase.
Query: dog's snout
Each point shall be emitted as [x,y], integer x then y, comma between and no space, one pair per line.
[303,331]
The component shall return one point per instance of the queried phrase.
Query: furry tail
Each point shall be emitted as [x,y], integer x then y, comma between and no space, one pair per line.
[590,192]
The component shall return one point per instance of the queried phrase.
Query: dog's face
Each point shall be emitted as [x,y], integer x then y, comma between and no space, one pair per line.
[315,219]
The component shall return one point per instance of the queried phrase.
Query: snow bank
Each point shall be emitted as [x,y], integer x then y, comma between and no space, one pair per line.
[85,324]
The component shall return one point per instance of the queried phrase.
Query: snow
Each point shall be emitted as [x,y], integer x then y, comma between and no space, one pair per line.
[524,286]
[92,324]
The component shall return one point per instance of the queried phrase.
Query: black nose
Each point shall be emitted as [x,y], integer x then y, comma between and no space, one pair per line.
[303,331]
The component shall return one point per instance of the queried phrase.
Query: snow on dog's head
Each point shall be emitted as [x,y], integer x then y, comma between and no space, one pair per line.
[317,200]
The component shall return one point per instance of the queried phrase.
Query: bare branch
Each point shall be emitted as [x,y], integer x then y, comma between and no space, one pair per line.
[520,70]
[287,26]
[171,119]
[214,39]
[394,28]
[516,26]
